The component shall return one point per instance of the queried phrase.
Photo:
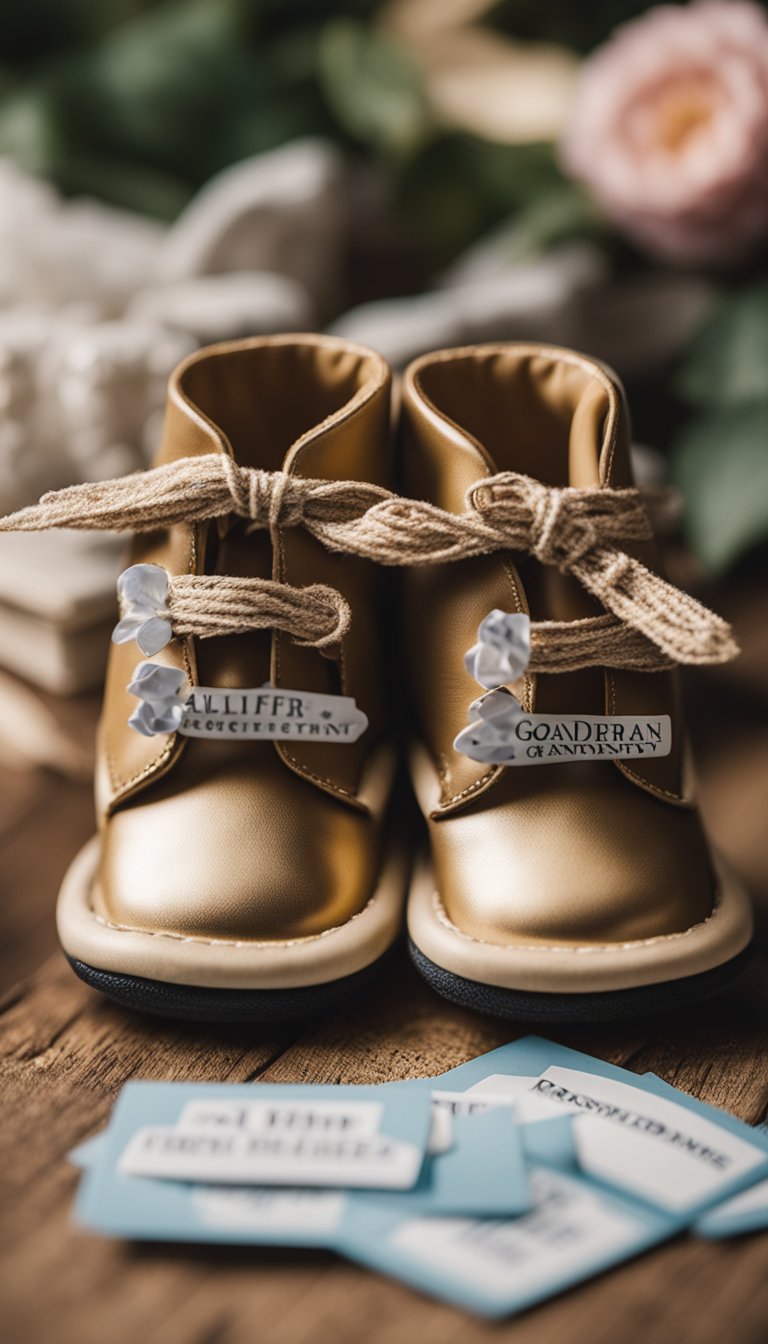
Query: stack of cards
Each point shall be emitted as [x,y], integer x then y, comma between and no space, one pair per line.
[494,1186]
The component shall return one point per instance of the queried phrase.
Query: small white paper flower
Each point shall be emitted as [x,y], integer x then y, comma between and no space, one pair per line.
[143,594]
[490,738]
[162,694]
[500,709]
[502,651]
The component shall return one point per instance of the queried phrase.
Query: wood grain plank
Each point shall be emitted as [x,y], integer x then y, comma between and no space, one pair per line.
[65,1055]
[56,822]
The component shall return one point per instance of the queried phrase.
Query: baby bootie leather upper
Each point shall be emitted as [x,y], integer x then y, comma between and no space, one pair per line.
[588,852]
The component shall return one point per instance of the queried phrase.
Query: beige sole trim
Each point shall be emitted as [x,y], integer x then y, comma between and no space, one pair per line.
[214,964]
[587,969]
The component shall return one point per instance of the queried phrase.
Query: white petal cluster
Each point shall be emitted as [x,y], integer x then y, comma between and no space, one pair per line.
[490,735]
[499,657]
[162,693]
[143,594]
[502,650]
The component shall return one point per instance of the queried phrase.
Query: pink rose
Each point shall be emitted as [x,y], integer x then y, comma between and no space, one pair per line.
[669,130]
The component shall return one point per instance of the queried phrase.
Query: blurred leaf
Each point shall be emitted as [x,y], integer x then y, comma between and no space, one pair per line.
[372,87]
[30,131]
[128,186]
[283,118]
[458,187]
[721,466]
[157,89]
[276,97]
[515,176]
[728,361]
[564,213]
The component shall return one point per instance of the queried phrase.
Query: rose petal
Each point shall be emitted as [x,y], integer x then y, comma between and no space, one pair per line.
[503,649]
[142,720]
[126,630]
[498,709]
[170,718]
[482,742]
[149,722]
[492,667]
[145,584]
[153,635]
[509,632]
[153,682]
[140,674]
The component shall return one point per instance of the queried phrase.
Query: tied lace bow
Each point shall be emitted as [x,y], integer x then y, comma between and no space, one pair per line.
[648,624]
[581,532]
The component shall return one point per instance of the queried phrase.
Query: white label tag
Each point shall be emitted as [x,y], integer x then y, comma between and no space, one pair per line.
[167,705]
[355,1119]
[275,714]
[515,1089]
[281,1142]
[503,734]
[647,1144]
[569,1228]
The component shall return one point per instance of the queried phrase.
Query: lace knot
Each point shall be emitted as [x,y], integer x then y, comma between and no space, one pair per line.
[561,533]
[269,499]
[553,524]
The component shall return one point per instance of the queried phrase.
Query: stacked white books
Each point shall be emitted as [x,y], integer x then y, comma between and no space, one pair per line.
[57,606]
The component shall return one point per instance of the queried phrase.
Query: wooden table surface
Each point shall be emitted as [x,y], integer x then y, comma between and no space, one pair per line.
[66,1052]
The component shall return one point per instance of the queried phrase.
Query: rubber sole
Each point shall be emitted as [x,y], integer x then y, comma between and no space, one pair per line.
[607,1006]
[191,1003]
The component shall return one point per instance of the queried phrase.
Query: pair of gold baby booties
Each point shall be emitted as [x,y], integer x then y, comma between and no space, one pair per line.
[325,586]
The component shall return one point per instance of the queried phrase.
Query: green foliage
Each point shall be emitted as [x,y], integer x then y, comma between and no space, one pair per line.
[373,87]
[458,186]
[29,131]
[141,101]
[721,459]
[728,361]
[721,465]
[564,212]
[149,92]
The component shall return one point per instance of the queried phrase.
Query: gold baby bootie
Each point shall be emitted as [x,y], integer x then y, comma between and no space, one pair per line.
[243,867]
[568,874]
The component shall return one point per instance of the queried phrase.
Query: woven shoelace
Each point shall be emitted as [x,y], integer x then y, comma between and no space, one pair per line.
[204,606]
[649,625]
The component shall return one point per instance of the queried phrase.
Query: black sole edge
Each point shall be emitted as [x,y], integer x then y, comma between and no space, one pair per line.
[192,1003]
[609,1006]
